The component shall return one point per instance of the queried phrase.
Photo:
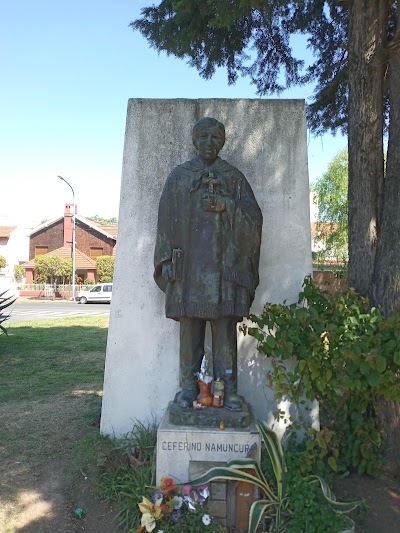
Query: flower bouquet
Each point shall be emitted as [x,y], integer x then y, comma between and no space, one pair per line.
[182,509]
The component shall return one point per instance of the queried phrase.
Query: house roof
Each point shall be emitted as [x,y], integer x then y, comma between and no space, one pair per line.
[318,227]
[82,261]
[108,231]
[111,230]
[5,231]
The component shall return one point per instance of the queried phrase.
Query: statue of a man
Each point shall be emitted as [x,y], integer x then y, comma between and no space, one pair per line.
[206,258]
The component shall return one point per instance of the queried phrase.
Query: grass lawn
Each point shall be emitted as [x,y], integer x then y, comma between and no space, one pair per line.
[51,379]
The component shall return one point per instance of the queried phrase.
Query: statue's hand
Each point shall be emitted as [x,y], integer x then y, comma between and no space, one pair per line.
[167,272]
[213,202]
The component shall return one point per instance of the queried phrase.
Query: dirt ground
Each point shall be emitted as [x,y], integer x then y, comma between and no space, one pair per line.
[37,436]
[44,507]
[383,500]
[47,508]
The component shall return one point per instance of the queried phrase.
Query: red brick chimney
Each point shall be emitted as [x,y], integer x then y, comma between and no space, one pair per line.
[68,213]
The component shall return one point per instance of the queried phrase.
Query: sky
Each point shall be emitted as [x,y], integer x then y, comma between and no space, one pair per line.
[68,69]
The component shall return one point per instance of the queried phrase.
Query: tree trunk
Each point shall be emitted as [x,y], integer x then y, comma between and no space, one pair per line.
[367,39]
[388,415]
[386,283]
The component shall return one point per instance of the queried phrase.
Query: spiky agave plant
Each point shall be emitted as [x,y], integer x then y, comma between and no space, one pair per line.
[274,503]
[5,301]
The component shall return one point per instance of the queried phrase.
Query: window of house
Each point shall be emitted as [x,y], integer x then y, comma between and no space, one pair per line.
[41,250]
[95,252]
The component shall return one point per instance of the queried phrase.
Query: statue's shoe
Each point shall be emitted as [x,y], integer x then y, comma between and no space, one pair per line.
[233,402]
[186,398]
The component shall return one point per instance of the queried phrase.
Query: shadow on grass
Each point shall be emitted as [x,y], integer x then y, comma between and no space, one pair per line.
[51,378]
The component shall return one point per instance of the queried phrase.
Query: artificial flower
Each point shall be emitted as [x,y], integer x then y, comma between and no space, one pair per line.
[176,502]
[175,516]
[186,490]
[168,483]
[206,519]
[151,513]
[157,494]
[148,521]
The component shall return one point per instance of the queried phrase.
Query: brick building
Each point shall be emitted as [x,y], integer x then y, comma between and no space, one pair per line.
[55,238]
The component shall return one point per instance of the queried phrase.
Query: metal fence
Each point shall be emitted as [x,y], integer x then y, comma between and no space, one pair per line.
[45,287]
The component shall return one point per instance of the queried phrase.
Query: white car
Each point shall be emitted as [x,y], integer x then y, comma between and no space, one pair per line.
[102,292]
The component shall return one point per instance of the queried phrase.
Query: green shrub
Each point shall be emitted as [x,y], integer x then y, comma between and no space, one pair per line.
[88,281]
[345,354]
[19,273]
[52,268]
[105,268]
[288,500]
[125,485]
[3,261]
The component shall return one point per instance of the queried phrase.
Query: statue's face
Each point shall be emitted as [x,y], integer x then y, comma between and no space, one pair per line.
[209,142]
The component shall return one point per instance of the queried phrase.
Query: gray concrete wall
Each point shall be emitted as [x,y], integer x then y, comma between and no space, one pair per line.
[266,140]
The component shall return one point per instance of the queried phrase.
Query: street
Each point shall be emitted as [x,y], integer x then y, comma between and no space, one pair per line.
[25,309]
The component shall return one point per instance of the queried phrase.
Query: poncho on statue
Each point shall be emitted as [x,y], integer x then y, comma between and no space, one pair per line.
[214,255]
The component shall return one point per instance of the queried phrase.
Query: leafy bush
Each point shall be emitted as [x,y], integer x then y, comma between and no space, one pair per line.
[105,268]
[345,354]
[88,281]
[52,267]
[19,273]
[3,261]
[279,499]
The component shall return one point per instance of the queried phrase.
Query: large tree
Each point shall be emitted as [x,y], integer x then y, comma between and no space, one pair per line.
[330,195]
[356,46]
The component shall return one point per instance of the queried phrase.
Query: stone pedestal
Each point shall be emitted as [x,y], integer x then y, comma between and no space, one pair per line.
[210,417]
[185,452]
[178,446]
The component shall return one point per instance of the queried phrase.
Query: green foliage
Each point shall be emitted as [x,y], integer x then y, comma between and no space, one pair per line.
[5,301]
[51,268]
[211,34]
[276,504]
[331,197]
[105,268]
[113,221]
[343,354]
[3,261]
[126,485]
[215,33]
[309,511]
[88,281]
[19,273]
